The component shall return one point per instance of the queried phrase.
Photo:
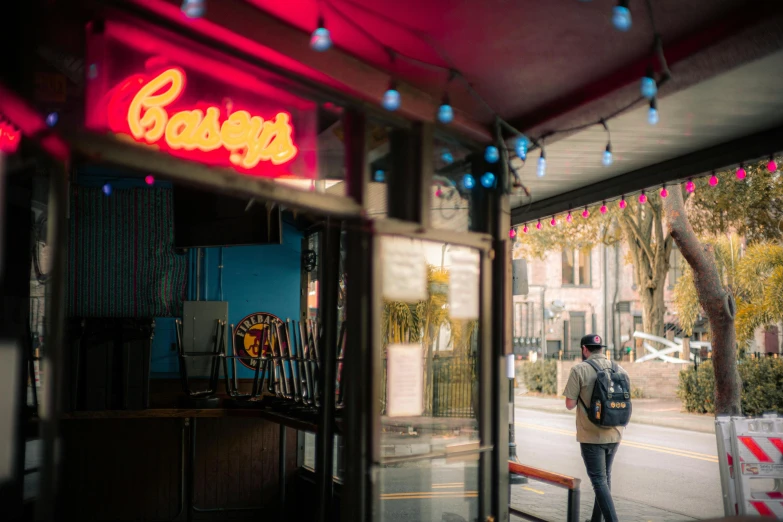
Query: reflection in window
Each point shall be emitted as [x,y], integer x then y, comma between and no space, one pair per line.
[576,267]
[675,266]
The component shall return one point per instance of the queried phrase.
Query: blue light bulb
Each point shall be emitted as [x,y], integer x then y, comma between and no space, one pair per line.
[488,180]
[107,189]
[541,170]
[621,17]
[445,113]
[194,8]
[447,156]
[652,116]
[648,87]
[491,154]
[391,98]
[321,39]
[468,181]
[521,147]
[52,118]
[608,159]
[379,176]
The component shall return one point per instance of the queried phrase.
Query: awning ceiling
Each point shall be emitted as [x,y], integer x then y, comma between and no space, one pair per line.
[542,66]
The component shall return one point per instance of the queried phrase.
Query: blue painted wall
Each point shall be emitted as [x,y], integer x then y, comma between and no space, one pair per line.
[262,278]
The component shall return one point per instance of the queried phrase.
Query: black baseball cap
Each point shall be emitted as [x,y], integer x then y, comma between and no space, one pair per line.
[592,340]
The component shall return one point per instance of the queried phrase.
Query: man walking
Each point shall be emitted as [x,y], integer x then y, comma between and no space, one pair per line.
[598,443]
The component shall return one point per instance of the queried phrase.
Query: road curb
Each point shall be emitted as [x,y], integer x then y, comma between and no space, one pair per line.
[635,419]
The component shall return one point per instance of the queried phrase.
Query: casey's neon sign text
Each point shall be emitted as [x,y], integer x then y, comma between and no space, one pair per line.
[248,139]
[9,138]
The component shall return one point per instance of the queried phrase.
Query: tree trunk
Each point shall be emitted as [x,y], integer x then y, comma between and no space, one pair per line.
[653,309]
[716,301]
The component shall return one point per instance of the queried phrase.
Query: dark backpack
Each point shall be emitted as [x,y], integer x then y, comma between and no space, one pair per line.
[610,404]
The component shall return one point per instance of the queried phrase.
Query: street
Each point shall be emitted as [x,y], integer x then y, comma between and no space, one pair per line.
[674,470]
[660,474]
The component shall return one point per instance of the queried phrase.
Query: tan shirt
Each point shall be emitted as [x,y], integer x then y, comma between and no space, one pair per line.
[580,384]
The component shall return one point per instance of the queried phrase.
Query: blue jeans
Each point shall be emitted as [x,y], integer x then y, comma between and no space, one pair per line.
[598,461]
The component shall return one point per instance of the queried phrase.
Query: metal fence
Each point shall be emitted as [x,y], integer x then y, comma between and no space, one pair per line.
[454,383]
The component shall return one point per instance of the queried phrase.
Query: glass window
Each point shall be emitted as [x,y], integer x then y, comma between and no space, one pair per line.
[576,267]
[583,273]
[675,267]
[449,194]
[568,267]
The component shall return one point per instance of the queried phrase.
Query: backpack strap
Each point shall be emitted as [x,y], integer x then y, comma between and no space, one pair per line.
[597,369]
[595,366]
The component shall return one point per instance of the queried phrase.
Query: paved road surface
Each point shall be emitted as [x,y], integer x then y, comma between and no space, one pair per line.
[667,468]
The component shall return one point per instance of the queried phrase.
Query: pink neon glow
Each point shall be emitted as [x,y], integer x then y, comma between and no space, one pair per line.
[9,138]
[741,172]
[690,186]
[642,198]
[772,166]
[538,225]
[149,180]
[713,180]
[585,213]
[604,210]
[439,193]
[512,233]
[525,229]
[569,218]
[622,203]
[664,192]
[553,222]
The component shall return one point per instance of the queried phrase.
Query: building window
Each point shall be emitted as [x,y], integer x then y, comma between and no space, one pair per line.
[675,266]
[576,267]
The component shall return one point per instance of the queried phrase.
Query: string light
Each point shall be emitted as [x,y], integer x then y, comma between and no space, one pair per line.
[642,198]
[713,180]
[491,154]
[522,144]
[447,156]
[379,176]
[553,222]
[690,186]
[607,158]
[772,166]
[525,229]
[603,209]
[741,172]
[664,192]
[648,86]
[538,225]
[149,180]
[194,8]
[321,39]
[445,111]
[569,218]
[107,189]
[585,213]
[391,98]
[621,16]
[52,118]
[468,181]
[488,180]
[512,233]
[439,192]
[541,168]
[652,114]
[622,204]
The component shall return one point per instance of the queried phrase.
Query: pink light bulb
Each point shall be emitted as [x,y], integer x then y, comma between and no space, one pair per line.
[568,217]
[690,186]
[525,229]
[622,203]
[538,225]
[512,233]
[149,180]
[604,210]
[585,213]
[642,198]
[772,166]
[439,193]
[741,172]
[713,180]
[664,192]
[553,222]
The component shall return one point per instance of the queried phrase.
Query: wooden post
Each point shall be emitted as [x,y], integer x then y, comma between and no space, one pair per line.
[685,354]
[670,335]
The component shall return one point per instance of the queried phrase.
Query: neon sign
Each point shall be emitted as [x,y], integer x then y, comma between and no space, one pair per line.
[142,107]
[9,138]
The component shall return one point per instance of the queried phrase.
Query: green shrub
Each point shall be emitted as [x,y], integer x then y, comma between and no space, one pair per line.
[762,387]
[541,376]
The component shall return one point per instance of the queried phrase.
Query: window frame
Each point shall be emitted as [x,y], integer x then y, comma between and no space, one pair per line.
[577,257]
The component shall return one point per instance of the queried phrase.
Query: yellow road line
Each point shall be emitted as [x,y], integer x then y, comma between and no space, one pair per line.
[639,445]
[448,487]
[436,493]
[533,490]
[444,484]
[429,497]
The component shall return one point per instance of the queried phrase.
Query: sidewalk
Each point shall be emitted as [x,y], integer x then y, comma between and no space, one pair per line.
[528,499]
[656,412]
